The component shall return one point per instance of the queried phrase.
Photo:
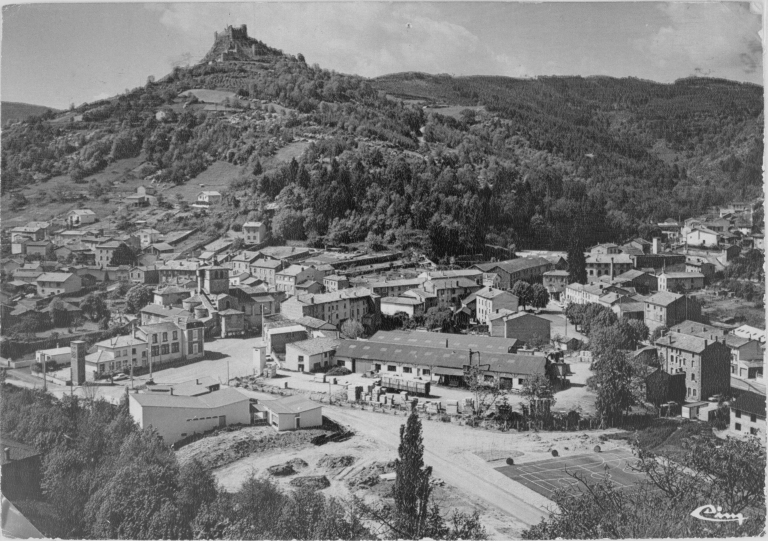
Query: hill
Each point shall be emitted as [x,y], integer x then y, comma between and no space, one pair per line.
[444,164]
[11,111]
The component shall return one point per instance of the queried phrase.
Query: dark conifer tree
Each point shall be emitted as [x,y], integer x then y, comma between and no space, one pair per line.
[412,490]
[577,262]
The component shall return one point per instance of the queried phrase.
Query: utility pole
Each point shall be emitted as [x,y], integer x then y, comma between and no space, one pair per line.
[227,372]
[45,379]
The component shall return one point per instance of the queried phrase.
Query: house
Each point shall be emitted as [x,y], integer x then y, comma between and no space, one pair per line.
[450,291]
[524,268]
[488,302]
[148,236]
[41,248]
[702,236]
[255,232]
[411,306]
[232,322]
[643,282]
[137,200]
[483,344]
[610,265]
[748,414]
[334,282]
[21,474]
[356,303]
[31,231]
[555,281]
[115,355]
[308,286]
[670,228]
[293,413]
[171,271]
[170,341]
[577,293]
[680,281]
[522,326]
[171,295]
[705,362]
[266,270]
[637,244]
[56,283]
[491,279]
[429,299]
[310,355]
[700,265]
[78,217]
[63,314]
[605,249]
[746,357]
[287,279]
[208,198]
[177,417]
[146,190]
[242,262]
[280,333]
[395,288]
[105,251]
[471,274]
[144,275]
[665,309]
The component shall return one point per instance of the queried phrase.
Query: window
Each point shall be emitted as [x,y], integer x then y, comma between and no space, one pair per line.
[301,358]
[175,347]
[154,339]
[738,413]
[694,392]
[426,372]
[737,426]
[693,376]
[143,354]
[407,370]
[753,418]
[117,354]
[195,347]
[175,335]
[133,351]
[155,350]
[391,368]
[194,335]
[164,349]
[165,337]
[377,367]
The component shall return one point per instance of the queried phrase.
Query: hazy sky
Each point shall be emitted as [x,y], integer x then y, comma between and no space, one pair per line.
[56,54]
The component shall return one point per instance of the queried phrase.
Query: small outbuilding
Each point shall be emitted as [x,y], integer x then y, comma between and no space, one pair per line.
[293,413]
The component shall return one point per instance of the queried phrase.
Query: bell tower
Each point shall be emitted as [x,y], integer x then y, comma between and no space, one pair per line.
[213,280]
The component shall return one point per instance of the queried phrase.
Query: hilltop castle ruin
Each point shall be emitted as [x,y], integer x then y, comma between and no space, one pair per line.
[234,45]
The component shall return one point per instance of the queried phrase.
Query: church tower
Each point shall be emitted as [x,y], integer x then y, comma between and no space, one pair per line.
[213,280]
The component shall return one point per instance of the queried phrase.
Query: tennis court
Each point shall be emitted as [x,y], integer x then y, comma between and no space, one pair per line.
[546,476]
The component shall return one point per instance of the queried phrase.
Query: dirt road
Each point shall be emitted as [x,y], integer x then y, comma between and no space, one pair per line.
[519,506]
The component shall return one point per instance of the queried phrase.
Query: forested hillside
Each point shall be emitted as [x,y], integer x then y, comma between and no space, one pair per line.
[11,111]
[440,163]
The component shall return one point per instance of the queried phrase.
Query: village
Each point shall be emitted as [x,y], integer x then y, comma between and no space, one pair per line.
[241,332]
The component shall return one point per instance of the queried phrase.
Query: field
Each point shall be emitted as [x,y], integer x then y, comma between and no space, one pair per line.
[217,177]
[453,110]
[719,308]
[11,111]
[549,475]
[209,96]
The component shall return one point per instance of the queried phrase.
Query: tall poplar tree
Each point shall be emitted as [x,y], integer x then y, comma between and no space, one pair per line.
[412,490]
[577,262]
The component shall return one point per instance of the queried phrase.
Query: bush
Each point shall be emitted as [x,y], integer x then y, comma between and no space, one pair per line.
[597,449]
[510,462]
[554,452]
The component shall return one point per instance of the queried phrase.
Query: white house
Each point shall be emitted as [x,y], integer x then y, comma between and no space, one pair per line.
[56,283]
[310,355]
[176,417]
[293,412]
[701,236]
[209,198]
[409,305]
[254,232]
[80,217]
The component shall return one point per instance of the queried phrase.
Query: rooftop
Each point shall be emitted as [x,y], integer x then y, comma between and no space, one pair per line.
[52,276]
[313,346]
[406,301]
[442,340]
[751,403]
[681,275]
[663,298]
[290,404]
[685,342]
[215,399]
[514,265]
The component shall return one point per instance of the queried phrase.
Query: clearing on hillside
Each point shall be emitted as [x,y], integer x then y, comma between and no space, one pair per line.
[209,96]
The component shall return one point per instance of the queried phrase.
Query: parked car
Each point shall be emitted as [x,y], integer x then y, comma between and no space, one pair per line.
[120,377]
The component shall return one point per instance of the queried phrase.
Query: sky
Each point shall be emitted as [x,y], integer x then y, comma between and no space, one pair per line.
[57,54]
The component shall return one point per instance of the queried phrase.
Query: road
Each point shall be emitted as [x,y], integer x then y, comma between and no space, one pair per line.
[520,506]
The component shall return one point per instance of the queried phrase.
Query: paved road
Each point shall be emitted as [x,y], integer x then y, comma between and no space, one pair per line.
[472,475]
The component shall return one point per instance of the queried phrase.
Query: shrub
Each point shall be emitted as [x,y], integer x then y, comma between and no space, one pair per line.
[554,452]
[510,462]
[597,448]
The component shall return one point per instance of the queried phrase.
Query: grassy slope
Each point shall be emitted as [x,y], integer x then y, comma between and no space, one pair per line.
[12,111]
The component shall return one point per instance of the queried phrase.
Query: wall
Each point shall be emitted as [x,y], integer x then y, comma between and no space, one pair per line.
[524,328]
[745,422]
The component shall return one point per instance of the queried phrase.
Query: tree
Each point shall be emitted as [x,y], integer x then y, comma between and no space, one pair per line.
[288,224]
[123,255]
[577,262]
[352,329]
[538,391]
[658,332]
[120,291]
[438,318]
[539,296]
[412,489]
[138,297]
[524,293]
[94,307]
[197,487]
[486,390]
[613,383]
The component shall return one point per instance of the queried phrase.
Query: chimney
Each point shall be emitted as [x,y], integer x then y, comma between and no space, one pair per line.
[611,269]
[171,391]
[7,452]
[706,343]
[655,246]
[446,343]
[197,382]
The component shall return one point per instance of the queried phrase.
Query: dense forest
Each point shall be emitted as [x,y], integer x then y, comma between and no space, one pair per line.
[524,162]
